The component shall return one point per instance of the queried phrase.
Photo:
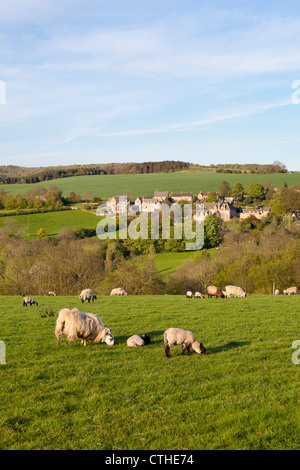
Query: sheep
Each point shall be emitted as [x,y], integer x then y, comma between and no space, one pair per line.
[28,300]
[87,294]
[189,294]
[276,292]
[118,291]
[186,338]
[138,340]
[236,291]
[213,291]
[198,295]
[290,291]
[51,293]
[75,324]
[224,293]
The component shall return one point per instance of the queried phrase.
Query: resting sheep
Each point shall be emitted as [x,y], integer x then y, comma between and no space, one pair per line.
[199,295]
[75,324]
[235,291]
[189,294]
[186,338]
[87,294]
[213,291]
[290,291]
[138,340]
[118,291]
[51,293]
[29,300]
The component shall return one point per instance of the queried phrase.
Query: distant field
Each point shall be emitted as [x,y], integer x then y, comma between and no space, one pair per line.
[167,263]
[243,394]
[52,222]
[109,185]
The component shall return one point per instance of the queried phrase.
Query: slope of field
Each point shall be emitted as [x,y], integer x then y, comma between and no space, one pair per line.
[243,394]
[52,222]
[167,263]
[109,185]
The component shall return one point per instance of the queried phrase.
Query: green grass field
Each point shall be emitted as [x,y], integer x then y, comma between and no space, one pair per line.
[243,394]
[167,263]
[52,222]
[109,185]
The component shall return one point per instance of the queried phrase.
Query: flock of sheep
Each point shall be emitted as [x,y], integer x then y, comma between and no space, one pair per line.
[235,291]
[87,326]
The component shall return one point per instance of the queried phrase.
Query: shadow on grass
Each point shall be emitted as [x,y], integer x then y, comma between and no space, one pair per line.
[228,346]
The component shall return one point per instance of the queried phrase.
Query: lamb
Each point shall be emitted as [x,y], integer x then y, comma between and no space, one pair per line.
[290,291]
[189,294]
[199,295]
[213,291]
[138,340]
[118,291]
[276,292]
[75,324]
[87,294]
[186,338]
[28,300]
[51,293]
[236,291]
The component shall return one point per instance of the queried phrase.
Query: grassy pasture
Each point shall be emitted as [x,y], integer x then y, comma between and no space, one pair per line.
[108,185]
[243,394]
[52,222]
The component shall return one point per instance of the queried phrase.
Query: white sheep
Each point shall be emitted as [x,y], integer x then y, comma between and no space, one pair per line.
[118,291]
[28,300]
[87,294]
[51,293]
[235,291]
[277,292]
[189,294]
[138,340]
[198,295]
[290,291]
[186,338]
[225,294]
[75,324]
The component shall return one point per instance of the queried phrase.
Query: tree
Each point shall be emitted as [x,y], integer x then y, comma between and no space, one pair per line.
[256,191]
[42,233]
[238,191]
[225,189]
[212,235]
[212,197]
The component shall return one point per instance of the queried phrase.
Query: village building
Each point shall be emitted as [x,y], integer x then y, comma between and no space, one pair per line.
[160,195]
[223,210]
[203,196]
[143,204]
[118,204]
[245,212]
[178,197]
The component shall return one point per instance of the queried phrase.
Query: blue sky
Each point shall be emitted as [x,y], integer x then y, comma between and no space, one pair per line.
[99,81]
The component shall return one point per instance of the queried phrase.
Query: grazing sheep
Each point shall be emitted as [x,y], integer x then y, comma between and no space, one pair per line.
[235,291]
[87,294]
[213,291]
[118,291]
[75,324]
[138,340]
[224,293]
[199,295]
[277,292]
[186,338]
[51,293]
[189,294]
[29,300]
[290,291]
